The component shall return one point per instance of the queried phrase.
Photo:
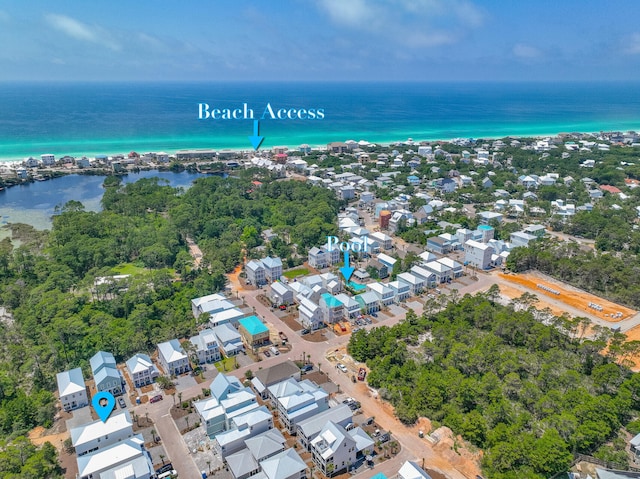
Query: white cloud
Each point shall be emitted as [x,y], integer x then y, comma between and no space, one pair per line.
[411,23]
[526,52]
[79,31]
[351,12]
[633,44]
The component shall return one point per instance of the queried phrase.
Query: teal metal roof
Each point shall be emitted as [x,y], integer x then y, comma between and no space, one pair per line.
[485,227]
[253,325]
[331,301]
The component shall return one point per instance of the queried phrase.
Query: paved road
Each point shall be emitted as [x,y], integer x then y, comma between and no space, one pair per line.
[412,448]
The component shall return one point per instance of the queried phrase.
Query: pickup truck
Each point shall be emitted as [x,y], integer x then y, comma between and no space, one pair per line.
[362,374]
[282,336]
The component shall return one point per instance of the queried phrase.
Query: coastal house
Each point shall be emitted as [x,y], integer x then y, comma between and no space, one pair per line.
[415,283]
[100,434]
[126,458]
[71,389]
[368,302]
[142,370]
[351,308]
[173,358]
[272,268]
[478,254]
[253,331]
[410,470]
[383,293]
[331,307]
[309,314]
[401,291]
[284,465]
[256,274]
[105,374]
[229,340]
[206,347]
[263,378]
[243,427]
[309,429]
[297,401]
[280,293]
[333,450]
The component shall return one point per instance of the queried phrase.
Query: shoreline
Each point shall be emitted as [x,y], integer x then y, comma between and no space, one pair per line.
[13,161]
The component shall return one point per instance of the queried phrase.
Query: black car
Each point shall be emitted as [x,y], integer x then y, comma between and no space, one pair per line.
[304,331]
[165,468]
[385,437]
[122,403]
[306,368]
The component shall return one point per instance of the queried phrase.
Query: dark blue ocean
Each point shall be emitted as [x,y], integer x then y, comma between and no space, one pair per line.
[91,118]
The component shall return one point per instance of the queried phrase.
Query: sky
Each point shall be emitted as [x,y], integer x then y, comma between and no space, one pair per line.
[320,40]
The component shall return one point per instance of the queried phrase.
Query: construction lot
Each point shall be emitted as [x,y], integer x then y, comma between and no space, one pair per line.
[545,287]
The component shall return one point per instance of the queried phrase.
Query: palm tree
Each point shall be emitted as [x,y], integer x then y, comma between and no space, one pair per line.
[209,466]
[153,435]
[162,458]
[180,398]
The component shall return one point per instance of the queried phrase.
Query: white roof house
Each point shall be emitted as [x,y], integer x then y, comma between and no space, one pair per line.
[172,357]
[119,454]
[311,427]
[297,400]
[285,465]
[387,260]
[231,315]
[72,390]
[142,370]
[98,434]
[196,303]
[333,449]
[245,426]
[266,444]
[410,470]
[229,339]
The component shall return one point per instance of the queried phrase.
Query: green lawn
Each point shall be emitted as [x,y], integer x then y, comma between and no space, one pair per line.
[227,364]
[128,268]
[295,272]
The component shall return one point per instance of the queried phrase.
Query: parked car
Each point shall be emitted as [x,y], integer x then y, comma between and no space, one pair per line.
[121,403]
[165,468]
[267,353]
[304,331]
[341,367]
[374,314]
[306,368]
[156,399]
[384,437]
[283,307]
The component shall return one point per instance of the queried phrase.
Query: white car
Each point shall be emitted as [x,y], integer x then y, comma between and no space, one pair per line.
[341,367]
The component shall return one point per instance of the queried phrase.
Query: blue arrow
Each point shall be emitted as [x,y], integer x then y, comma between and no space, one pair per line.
[256,140]
[347,270]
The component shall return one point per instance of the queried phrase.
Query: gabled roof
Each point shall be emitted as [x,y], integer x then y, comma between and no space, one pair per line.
[223,385]
[277,373]
[101,359]
[241,463]
[114,455]
[171,351]
[92,431]
[362,439]
[270,262]
[330,440]
[139,363]
[410,470]
[283,465]
[266,444]
[70,382]
[313,425]
[106,374]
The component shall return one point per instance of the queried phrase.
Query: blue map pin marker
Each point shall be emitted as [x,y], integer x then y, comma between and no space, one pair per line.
[103,412]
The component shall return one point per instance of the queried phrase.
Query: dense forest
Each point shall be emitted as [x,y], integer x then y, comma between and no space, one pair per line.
[525,392]
[60,316]
[609,275]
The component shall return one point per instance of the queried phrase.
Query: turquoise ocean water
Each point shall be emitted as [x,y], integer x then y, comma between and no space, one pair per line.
[92,118]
